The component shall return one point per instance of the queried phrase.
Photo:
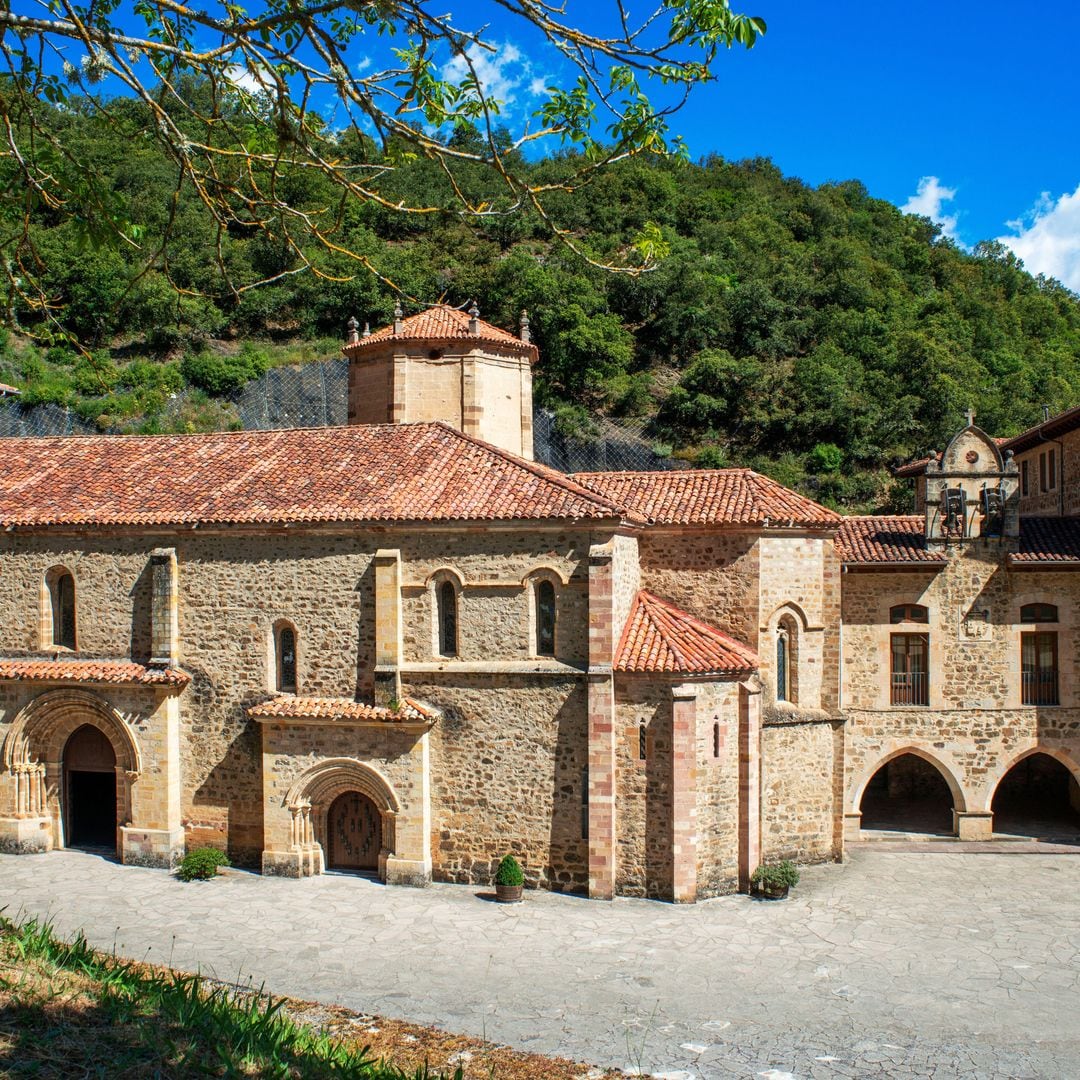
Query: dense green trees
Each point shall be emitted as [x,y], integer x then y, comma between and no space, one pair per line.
[816,334]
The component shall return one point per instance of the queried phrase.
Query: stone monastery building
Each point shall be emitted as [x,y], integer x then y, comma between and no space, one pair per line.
[404,647]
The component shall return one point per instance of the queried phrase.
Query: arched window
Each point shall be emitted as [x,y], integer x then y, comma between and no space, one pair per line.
[448,619]
[716,739]
[642,742]
[545,618]
[286,659]
[62,608]
[1038,613]
[909,613]
[783,688]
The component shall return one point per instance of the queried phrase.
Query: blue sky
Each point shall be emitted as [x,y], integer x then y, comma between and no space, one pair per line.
[966,112]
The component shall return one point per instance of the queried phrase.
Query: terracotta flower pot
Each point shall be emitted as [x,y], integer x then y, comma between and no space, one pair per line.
[508,894]
[773,893]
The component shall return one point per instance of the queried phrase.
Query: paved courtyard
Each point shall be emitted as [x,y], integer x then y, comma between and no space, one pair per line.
[920,964]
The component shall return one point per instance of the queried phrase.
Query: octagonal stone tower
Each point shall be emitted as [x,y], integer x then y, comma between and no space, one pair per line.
[445,364]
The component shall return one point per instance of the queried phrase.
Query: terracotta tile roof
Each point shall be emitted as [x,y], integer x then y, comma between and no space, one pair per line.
[6,391]
[1048,540]
[1053,428]
[91,671]
[710,497]
[366,473]
[885,540]
[443,323]
[337,710]
[659,637]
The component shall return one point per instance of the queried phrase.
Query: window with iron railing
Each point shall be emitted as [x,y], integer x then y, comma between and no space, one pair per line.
[909,677]
[1039,668]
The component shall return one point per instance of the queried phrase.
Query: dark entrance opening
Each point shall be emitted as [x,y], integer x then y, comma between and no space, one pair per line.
[908,795]
[90,790]
[1038,797]
[355,833]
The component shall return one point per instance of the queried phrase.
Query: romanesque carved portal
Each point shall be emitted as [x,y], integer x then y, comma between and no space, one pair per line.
[355,833]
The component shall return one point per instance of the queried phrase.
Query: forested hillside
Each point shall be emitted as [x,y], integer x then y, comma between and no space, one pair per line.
[814,334]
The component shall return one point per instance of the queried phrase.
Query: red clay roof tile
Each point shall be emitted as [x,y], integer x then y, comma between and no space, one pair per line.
[659,637]
[331,709]
[442,323]
[1048,540]
[885,539]
[91,671]
[365,473]
[710,497]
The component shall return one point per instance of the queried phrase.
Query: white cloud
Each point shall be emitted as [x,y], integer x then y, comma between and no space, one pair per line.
[538,86]
[363,64]
[928,202]
[502,71]
[1047,238]
[245,79]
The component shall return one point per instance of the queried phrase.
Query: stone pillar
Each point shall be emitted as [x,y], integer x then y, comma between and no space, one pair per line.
[526,411]
[410,863]
[388,645]
[472,404]
[852,826]
[602,825]
[973,824]
[749,781]
[165,609]
[684,794]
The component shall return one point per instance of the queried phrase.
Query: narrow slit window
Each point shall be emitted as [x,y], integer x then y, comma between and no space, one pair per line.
[448,619]
[63,610]
[782,666]
[716,740]
[585,803]
[1023,478]
[642,743]
[287,660]
[545,618]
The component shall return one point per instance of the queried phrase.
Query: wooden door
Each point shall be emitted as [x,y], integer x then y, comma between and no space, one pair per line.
[355,833]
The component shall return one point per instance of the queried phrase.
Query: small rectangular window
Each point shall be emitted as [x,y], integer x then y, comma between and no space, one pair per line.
[1039,668]
[1042,472]
[1051,468]
[1023,478]
[910,669]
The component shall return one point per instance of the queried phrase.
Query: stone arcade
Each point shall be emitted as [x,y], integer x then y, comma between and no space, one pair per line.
[403,647]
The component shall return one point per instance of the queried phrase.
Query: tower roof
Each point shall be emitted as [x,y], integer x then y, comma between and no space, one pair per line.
[443,323]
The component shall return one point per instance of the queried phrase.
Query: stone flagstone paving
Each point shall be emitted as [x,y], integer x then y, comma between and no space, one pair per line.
[913,964]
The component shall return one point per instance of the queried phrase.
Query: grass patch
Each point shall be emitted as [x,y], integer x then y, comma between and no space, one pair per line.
[69,1010]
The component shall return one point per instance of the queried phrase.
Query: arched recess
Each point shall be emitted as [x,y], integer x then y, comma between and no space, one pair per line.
[58,620]
[1037,793]
[543,592]
[314,793]
[41,731]
[445,587]
[283,657]
[919,808]
[786,643]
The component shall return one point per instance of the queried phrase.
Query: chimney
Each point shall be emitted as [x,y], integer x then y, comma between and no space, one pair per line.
[474,316]
[367,330]
[352,337]
[397,317]
[1046,413]
[525,335]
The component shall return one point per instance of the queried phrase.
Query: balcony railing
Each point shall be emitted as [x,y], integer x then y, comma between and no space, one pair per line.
[912,688]
[1040,687]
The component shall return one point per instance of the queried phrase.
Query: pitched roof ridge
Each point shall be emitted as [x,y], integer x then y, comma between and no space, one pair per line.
[544,472]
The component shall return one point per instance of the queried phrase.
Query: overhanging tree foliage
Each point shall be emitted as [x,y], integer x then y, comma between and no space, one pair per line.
[269,117]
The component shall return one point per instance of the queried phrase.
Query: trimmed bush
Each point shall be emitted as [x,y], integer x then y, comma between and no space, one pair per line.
[509,872]
[201,864]
[776,876]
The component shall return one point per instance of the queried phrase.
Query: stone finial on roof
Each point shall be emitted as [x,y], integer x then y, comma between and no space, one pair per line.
[398,313]
[367,330]
[525,335]
[353,335]
[474,318]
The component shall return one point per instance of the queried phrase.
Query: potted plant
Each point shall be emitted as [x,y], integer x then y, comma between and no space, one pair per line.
[508,880]
[773,881]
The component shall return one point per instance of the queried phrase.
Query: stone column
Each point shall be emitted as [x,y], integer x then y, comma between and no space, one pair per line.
[602,826]
[388,645]
[684,794]
[472,404]
[165,609]
[526,410]
[749,781]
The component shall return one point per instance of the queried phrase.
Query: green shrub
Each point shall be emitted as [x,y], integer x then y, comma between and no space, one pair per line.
[218,374]
[509,872]
[711,457]
[201,864]
[776,876]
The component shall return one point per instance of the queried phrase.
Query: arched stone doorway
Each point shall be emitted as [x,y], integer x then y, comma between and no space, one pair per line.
[354,833]
[89,785]
[908,795]
[1038,797]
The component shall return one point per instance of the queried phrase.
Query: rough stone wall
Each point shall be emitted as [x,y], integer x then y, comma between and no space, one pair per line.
[1064,498]
[801,772]
[974,727]
[506,768]
[713,575]
[494,617]
[718,789]
[643,788]
[626,581]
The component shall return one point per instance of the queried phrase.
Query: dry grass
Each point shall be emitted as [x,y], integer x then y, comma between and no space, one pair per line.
[66,1011]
